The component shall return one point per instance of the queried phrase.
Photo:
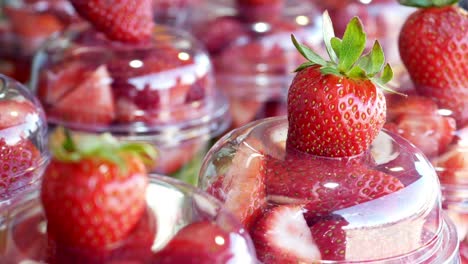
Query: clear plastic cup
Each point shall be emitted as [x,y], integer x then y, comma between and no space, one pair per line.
[383,206]
[252,52]
[160,92]
[173,12]
[443,137]
[171,206]
[25,26]
[23,140]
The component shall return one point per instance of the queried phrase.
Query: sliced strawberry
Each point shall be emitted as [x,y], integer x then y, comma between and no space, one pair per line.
[201,242]
[452,166]
[90,103]
[330,237]
[413,105]
[175,158]
[29,238]
[281,235]
[243,110]
[244,184]
[260,10]
[19,160]
[324,184]
[124,20]
[15,112]
[430,133]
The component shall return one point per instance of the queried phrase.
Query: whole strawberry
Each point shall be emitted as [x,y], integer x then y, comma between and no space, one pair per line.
[123,20]
[93,191]
[434,48]
[335,108]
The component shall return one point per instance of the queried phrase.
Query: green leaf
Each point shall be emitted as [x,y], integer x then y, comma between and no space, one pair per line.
[304,65]
[373,62]
[356,72]
[308,53]
[353,44]
[336,45]
[387,74]
[330,70]
[428,3]
[68,144]
[328,34]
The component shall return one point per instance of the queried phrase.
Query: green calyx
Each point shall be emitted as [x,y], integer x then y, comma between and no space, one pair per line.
[66,147]
[428,3]
[346,57]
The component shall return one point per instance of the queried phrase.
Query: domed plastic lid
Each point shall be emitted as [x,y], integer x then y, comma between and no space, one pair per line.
[251,43]
[383,205]
[161,88]
[439,131]
[23,138]
[175,211]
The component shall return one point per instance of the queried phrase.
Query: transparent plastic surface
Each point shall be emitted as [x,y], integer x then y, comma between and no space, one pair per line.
[23,142]
[173,12]
[160,91]
[256,177]
[441,135]
[25,26]
[172,205]
[252,51]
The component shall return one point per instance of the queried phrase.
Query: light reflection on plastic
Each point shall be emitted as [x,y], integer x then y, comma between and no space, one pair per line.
[136,63]
[183,56]
[219,240]
[261,27]
[302,20]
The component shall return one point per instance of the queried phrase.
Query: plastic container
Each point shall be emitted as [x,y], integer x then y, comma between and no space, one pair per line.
[159,92]
[172,205]
[252,51]
[443,137]
[23,139]
[317,200]
[24,28]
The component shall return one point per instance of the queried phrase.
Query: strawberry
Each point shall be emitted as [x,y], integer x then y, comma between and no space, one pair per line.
[93,91]
[335,108]
[97,185]
[413,104]
[201,242]
[330,237]
[313,181]
[243,185]
[19,160]
[123,20]
[243,110]
[28,238]
[452,166]
[15,112]
[260,10]
[434,51]
[281,235]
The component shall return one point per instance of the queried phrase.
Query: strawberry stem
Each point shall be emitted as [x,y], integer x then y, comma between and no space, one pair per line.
[428,3]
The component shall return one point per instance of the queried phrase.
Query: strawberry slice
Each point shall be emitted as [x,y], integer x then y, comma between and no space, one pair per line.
[123,20]
[243,185]
[201,242]
[330,237]
[281,235]
[324,184]
[91,102]
[452,166]
[431,133]
[415,105]
[15,112]
[243,110]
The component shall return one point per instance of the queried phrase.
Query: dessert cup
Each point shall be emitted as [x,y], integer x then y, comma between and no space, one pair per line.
[160,91]
[171,205]
[173,12]
[443,137]
[24,27]
[404,226]
[23,140]
[252,52]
